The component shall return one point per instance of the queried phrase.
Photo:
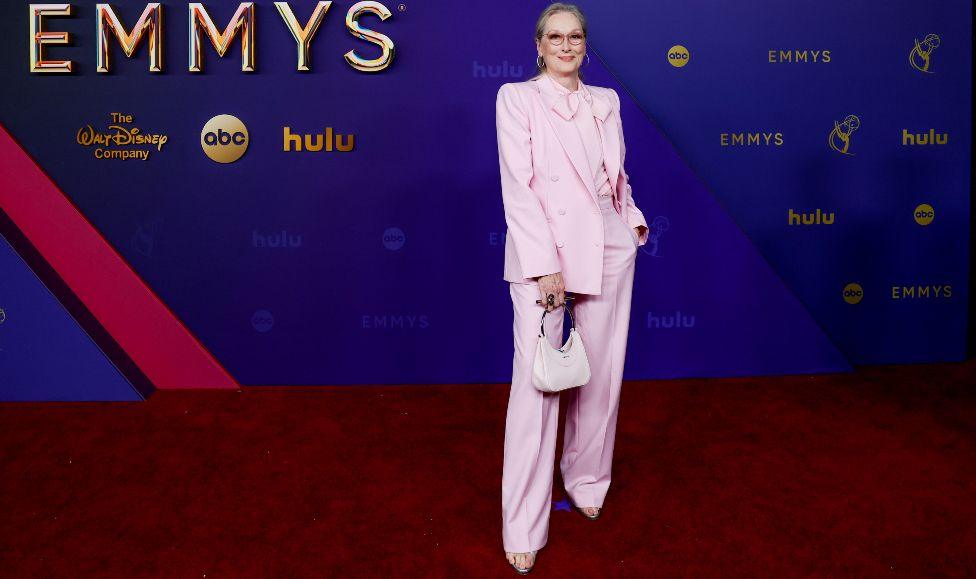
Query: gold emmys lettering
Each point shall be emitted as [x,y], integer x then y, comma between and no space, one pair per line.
[751,139]
[799,56]
[921,292]
[200,25]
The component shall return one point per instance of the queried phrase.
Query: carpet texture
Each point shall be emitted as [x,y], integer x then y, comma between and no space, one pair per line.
[864,474]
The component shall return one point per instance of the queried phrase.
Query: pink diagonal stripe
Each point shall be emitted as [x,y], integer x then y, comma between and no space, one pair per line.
[155,339]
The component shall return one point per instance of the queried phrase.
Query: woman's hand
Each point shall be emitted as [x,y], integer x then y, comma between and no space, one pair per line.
[552,284]
[637,230]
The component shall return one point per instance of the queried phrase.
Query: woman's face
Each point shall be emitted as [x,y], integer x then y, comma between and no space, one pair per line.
[566,58]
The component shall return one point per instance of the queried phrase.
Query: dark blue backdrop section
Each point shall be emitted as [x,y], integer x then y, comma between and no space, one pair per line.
[44,354]
[730,86]
[384,264]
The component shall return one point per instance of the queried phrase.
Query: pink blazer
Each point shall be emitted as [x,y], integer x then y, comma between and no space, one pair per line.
[551,208]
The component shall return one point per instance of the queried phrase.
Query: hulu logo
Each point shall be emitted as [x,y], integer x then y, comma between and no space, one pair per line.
[921,139]
[817,217]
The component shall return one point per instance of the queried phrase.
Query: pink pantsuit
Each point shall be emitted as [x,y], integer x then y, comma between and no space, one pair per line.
[569,209]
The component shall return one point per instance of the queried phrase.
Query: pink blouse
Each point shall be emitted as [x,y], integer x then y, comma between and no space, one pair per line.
[585,121]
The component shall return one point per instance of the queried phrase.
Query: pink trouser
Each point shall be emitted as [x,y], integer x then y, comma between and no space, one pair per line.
[591,418]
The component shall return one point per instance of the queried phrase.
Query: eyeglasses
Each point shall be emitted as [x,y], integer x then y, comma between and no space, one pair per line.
[575,38]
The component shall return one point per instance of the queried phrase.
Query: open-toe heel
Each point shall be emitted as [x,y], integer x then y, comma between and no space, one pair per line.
[526,570]
[580,511]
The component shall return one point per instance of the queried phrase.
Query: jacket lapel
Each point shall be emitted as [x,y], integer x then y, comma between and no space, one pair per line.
[560,118]
[611,145]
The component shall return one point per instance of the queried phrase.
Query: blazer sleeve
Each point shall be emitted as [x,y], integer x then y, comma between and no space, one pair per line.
[635,217]
[524,215]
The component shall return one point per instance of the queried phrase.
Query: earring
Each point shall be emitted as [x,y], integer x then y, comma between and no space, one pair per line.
[587,59]
[539,62]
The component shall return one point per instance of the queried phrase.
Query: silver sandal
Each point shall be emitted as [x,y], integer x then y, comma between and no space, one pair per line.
[590,517]
[521,571]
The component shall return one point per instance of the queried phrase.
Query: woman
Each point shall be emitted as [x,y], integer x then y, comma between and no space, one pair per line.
[572,227]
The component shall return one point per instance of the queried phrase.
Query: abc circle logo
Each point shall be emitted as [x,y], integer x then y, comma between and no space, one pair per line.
[394,238]
[262,321]
[853,292]
[924,214]
[224,138]
[678,56]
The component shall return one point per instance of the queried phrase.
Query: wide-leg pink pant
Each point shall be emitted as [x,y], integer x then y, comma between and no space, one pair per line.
[591,418]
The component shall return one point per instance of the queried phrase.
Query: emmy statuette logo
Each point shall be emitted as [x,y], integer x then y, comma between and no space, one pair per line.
[840,137]
[921,55]
[224,138]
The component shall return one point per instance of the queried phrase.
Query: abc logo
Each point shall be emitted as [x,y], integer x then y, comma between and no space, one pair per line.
[394,238]
[678,56]
[262,321]
[224,138]
[924,214]
[853,293]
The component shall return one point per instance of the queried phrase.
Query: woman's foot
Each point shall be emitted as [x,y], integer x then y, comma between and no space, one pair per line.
[522,562]
[592,512]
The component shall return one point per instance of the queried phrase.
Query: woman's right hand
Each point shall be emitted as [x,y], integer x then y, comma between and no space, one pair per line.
[552,284]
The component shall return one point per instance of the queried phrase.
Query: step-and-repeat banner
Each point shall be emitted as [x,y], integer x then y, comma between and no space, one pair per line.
[309,191]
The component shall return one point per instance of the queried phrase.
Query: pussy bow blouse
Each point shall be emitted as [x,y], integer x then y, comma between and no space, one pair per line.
[580,103]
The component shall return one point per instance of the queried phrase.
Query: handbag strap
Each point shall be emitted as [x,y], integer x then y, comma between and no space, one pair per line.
[569,308]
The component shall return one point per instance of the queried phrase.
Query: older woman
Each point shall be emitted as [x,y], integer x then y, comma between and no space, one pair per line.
[572,227]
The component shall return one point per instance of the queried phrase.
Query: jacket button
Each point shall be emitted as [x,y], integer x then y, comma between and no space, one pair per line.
[559,244]
[562,212]
[555,177]
[597,243]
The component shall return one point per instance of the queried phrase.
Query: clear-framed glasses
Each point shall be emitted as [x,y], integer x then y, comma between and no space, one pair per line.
[575,38]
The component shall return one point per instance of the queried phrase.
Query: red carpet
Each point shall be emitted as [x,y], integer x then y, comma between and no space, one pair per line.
[866,474]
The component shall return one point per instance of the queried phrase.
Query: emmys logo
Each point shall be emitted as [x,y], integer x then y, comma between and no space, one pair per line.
[921,292]
[395,322]
[924,214]
[3,316]
[923,139]
[262,321]
[120,141]
[751,139]
[503,70]
[677,320]
[799,56]
[840,137]
[853,293]
[678,56]
[921,54]
[315,142]
[224,138]
[818,217]
[202,31]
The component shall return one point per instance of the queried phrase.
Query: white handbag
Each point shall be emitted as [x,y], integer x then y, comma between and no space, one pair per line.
[559,369]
